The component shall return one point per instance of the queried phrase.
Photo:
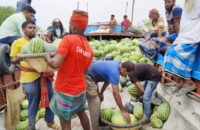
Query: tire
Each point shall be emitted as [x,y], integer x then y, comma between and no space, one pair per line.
[5,66]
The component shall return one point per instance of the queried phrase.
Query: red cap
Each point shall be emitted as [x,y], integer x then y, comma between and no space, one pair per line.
[79,18]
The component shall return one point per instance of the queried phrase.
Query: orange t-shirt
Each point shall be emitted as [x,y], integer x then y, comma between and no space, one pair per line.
[78,57]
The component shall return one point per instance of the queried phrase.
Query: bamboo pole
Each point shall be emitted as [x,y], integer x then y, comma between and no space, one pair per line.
[132,12]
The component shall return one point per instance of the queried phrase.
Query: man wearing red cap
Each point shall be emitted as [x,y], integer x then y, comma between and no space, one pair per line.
[73,58]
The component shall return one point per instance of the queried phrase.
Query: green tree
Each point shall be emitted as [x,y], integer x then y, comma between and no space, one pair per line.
[5,12]
[147,24]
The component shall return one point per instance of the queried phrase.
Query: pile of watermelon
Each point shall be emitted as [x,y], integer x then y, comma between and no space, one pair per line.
[115,116]
[119,50]
[37,45]
[23,125]
[160,115]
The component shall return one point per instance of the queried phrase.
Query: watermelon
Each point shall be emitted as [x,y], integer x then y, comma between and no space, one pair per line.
[36,45]
[129,108]
[124,59]
[118,119]
[124,50]
[57,42]
[123,81]
[133,119]
[114,54]
[107,50]
[156,123]
[128,83]
[154,115]
[138,111]
[133,99]
[37,116]
[163,111]
[117,58]
[120,88]
[132,90]
[24,104]
[155,109]
[125,55]
[23,115]
[107,114]
[50,48]
[143,60]
[42,112]
[22,125]
[101,53]
[132,48]
[96,53]
[108,56]
[103,43]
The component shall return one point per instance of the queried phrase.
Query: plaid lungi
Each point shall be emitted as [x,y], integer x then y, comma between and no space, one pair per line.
[180,59]
[65,105]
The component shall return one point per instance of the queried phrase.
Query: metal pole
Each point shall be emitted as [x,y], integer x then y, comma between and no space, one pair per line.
[87,6]
[78,5]
[132,12]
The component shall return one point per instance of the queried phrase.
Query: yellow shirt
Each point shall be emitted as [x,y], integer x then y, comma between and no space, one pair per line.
[160,23]
[26,77]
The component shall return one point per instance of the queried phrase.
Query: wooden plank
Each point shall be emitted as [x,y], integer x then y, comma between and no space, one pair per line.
[197,83]
[34,55]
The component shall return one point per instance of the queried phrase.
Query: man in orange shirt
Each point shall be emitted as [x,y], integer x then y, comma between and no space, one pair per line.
[73,58]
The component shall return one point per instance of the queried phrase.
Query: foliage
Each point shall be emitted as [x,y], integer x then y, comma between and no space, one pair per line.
[5,12]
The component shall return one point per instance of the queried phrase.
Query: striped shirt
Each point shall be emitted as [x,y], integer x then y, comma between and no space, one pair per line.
[176,12]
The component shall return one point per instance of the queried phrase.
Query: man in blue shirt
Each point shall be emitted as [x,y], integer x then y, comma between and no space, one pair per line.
[108,72]
[23,3]
[173,15]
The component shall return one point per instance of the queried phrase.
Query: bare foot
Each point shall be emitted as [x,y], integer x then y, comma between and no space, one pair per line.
[188,83]
[53,125]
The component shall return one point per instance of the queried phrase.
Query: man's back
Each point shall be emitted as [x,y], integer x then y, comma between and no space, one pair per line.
[105,71]
[12,26]
[78,56]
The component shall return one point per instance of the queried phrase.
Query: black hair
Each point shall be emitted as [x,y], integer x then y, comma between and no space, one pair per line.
[125,16]
[29,9]
[29,1]
[27,22]
[129,66]
[112,15]
[61,27]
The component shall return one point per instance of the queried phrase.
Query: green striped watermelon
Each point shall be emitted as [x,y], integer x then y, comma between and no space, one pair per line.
[163,111]
[36,45]
[132,90]
[155,109]
[138,111]
[156,123]
[154,115]
[107,114]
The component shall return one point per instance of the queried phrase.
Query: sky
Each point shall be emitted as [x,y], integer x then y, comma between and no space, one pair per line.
[98,10]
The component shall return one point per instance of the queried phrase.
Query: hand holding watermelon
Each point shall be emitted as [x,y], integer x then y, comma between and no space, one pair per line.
[126,116]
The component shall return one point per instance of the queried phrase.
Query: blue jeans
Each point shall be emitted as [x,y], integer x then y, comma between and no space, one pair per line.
[9,40]
[33,91]
[149,87]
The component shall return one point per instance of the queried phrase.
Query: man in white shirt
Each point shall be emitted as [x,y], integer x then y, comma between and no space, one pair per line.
[181,57]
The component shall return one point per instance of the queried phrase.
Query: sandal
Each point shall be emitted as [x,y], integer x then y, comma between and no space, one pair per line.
[184,91]
[53,125]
